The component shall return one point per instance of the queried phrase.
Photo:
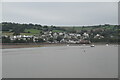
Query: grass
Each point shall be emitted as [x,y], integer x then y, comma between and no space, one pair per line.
[35,31]
[78,28]
[26,33]
[7,33]
[85,28]
[57,31]
[32,31]
[10,33]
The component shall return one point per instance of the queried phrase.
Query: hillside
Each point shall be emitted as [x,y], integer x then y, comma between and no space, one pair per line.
[109,32]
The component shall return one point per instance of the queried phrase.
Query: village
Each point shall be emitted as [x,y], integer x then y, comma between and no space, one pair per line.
[51,37]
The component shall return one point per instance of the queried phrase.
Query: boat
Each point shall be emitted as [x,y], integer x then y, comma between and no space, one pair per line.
[84,44]
[67,45]
[106,44]
[92,45]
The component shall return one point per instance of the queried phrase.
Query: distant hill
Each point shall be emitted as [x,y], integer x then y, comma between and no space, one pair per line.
[110,32]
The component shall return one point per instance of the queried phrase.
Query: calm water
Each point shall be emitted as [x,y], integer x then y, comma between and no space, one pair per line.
[61,62]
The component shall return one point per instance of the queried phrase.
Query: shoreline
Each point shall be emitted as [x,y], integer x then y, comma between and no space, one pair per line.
[11,46]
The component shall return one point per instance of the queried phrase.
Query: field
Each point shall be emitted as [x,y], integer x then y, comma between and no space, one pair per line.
[7,33]
[26,32]
[32,31]
[9,29]
[57,31]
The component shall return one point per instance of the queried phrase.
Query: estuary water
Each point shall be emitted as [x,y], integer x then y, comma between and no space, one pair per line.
[61,62]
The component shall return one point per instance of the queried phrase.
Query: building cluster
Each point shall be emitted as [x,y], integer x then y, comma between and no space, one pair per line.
[55,37]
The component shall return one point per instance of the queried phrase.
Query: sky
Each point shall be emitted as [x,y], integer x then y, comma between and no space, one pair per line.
[60,0]
[61,13]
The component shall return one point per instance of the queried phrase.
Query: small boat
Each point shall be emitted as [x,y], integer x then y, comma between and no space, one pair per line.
[84,44]
[67,45]
[106,44]
[92,45]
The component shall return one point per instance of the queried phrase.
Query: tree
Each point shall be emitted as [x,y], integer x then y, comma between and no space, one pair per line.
[19,41]
[28,31]
[6,40]
[16,33]
[40,40]
[51,39]
[59,38]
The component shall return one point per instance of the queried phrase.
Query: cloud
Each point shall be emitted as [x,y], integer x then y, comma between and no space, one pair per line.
[61,13]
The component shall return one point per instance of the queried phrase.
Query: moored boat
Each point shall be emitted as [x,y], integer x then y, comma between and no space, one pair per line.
[92,45]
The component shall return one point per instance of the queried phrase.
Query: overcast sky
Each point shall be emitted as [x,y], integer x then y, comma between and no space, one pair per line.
[61,13]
